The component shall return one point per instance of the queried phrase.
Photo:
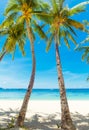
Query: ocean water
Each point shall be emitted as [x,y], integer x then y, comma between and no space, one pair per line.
[44,94]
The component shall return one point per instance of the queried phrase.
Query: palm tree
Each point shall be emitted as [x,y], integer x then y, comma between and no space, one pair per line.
[85,55]
[24,11]
[15,35]
[85,48]
[84,45]
[61,25]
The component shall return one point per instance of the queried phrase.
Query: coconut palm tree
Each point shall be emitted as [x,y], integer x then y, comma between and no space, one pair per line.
[85,50]
[24,11]
[84,45]
[61,26]
[15,35]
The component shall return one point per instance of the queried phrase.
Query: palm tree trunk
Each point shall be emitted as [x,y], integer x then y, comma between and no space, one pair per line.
[22,113]
[1,57]
[66,121]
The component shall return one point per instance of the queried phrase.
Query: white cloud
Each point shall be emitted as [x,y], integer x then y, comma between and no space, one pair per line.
[76,80]
[17,75]
[14,74]
[48,79]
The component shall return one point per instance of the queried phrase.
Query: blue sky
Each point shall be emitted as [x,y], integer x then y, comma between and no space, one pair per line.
[16,74]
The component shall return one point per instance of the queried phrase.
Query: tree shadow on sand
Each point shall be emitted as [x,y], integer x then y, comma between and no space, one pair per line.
[49,122]
[6,116]
[41,121]
[81,121]
[45,122]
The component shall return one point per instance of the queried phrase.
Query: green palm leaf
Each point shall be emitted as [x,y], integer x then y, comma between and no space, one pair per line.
[13,7]
[49,42]
[2,54]
[75,24]
[4,32]
[66,42]
[54,5]
[85,54]
[15,35]
[8,21]
[86,40]
[39,30]
[78,8]
[66,25]
[85,50]
[71,38]
[21,44]
[61,4]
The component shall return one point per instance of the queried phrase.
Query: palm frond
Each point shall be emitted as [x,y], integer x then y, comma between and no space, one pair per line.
[43,6]
[21,44]
[20,19]
[85,54]
[86,40]
[15,34]
[78,8]
[8,21]
[55,6]
[2,54]
[49,42]
[31,32]
[88,59]
[64,12]
[9,45]
[47,18]
[86,22]
[66,25]
[39,30]
[71,38]
[75,24]
[13,7]
[61,4]
[66,42]
[3,32]
[80,48]
[20,2]
[64,35]
[85,50]
[13,53]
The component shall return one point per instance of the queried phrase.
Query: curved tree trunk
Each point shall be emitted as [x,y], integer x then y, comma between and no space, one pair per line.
[1,57]
[66,121]
[22,113]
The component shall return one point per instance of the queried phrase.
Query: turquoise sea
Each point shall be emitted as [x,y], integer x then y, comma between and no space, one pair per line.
[44,94]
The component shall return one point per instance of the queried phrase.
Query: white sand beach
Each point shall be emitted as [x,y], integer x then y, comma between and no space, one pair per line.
[45,114]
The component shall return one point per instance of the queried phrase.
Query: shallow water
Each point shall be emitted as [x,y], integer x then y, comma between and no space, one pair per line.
[44,94]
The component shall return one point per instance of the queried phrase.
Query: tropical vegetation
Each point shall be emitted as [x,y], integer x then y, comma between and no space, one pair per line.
[15,35]
[61,27]
[22,11]
[21,22]
[84,45]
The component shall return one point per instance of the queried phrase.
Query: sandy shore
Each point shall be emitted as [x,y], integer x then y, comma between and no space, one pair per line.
[44,114]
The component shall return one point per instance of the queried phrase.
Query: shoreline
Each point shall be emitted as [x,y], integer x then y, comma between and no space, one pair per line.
[45,114]
[81,106]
